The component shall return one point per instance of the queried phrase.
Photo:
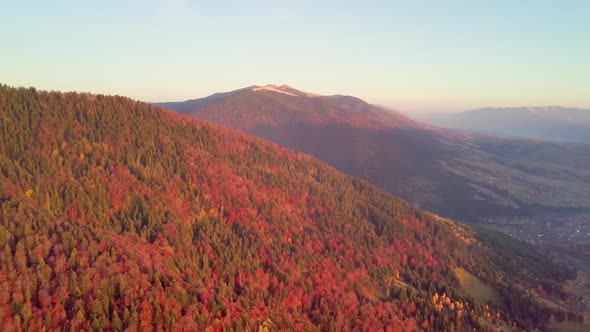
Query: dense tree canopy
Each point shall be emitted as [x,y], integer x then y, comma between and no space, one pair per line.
[116,215]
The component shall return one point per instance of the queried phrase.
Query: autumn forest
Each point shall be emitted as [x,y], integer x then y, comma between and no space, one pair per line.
[119,215]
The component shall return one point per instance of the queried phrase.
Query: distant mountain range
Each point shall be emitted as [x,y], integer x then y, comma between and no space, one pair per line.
[548,123]
[457,174]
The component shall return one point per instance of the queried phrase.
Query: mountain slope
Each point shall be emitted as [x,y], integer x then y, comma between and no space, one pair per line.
[549,123]
[460,175]
[115,215]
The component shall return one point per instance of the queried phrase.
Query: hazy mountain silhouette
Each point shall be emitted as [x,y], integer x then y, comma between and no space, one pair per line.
[548,123]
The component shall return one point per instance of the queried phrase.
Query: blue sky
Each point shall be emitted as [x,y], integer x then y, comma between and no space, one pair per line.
[412,55]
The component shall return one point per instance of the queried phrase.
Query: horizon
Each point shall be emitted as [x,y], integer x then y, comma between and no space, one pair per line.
[416,58]
[390,107]
[386,107]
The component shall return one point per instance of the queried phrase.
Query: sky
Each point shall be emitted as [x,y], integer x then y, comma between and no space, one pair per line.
[416,56]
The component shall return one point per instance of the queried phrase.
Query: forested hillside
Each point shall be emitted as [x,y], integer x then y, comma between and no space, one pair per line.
[115,214]
[465,176]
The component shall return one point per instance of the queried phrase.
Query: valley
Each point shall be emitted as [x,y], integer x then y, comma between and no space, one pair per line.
[545,230]
[563,238]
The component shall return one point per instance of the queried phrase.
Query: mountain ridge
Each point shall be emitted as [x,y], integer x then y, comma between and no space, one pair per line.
[541,122]
[455,173]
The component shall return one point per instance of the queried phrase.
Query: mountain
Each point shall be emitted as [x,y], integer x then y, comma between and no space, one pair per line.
[548,123]
[462,175]
[118,215]
[187,105]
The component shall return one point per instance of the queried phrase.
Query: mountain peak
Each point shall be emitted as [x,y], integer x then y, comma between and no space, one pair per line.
[272,88]
[284,89]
